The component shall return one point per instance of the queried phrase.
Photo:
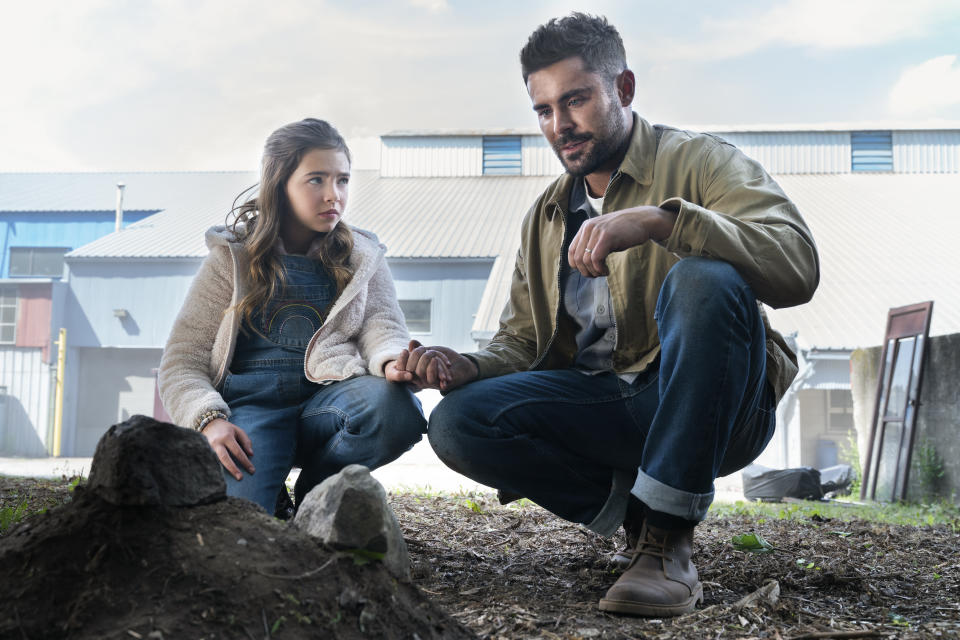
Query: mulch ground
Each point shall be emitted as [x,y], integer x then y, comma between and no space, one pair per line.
[478,567]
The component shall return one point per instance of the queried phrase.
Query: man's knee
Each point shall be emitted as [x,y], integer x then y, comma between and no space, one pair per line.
[696,287]
[702,273]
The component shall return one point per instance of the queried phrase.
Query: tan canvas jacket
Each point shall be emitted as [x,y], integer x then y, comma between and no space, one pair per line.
[728,209]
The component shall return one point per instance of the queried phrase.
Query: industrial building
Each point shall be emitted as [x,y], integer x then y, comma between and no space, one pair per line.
[881,201]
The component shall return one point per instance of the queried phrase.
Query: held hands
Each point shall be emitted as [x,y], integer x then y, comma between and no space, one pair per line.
[600,236]
[227,439]
[432,368]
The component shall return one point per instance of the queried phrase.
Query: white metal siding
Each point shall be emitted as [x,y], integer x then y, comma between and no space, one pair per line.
[795,152]
[455,292]
[24,408]
[926,151]
[431,156]
[112,385]
[539,158]
[150,292]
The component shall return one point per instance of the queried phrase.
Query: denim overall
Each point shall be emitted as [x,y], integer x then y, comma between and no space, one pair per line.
[294,422]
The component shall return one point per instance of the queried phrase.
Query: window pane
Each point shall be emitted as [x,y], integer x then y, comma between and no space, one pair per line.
[19,261]
[8,314]
[48,262]
[417,315]
[6,334]
[901,374]
[37,261]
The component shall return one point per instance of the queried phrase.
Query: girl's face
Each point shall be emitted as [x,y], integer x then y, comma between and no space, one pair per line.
[317,192]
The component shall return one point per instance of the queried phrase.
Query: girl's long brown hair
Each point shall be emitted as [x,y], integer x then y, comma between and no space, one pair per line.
[261,215]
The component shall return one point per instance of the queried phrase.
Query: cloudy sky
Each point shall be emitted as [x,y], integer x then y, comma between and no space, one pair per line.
[198,84]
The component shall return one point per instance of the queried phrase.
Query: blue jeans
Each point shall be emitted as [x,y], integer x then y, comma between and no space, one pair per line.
[293,422]
[579,445]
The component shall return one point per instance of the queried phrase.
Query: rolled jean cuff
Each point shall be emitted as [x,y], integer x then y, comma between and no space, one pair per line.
[614,510]
[666,499]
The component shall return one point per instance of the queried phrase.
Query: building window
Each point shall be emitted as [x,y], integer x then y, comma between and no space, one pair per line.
[8,314]
[37,261]
[417,315]
[501,156]
[871,151]
[839,410]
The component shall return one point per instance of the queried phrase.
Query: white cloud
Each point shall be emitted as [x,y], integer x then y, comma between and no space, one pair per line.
[431,5]
[927,87]
[821,25]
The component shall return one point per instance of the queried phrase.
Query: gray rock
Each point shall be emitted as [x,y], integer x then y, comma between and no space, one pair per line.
[349,511]
[145,462]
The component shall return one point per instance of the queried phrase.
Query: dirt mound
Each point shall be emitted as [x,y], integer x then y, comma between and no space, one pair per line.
[89,569]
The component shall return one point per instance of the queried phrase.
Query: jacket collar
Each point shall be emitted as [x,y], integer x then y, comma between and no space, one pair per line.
[637,163]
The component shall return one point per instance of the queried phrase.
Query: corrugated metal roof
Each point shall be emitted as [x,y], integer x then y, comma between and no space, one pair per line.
[415,217]
[885,241]
[445,217]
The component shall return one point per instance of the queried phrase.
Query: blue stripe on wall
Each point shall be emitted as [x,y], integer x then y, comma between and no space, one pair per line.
[71,229]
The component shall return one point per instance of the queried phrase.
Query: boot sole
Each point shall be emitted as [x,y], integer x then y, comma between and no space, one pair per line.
[634,608]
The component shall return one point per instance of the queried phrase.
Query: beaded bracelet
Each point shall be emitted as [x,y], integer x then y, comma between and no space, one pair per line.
[209,416]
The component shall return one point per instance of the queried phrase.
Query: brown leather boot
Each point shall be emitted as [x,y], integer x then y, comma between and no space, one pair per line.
[660,580]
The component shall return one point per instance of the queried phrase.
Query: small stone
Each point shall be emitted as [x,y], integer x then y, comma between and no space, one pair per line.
[146,462]
[349,511]
[242,542]
[350,600]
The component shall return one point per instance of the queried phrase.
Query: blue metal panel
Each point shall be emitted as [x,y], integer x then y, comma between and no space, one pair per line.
[871,150]
[67,229]
[502,156]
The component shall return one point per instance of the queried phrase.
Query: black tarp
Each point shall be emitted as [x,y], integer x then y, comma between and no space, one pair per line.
[805,483]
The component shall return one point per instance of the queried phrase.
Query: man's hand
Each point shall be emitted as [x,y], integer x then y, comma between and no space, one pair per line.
[436,367]
[227,439]
[600,236]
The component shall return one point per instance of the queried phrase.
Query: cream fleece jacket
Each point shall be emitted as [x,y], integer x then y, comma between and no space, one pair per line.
[364,330]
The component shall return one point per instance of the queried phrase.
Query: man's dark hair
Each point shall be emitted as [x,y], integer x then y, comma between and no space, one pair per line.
[592,38]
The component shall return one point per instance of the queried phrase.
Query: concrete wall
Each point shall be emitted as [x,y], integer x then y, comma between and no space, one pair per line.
[938,416]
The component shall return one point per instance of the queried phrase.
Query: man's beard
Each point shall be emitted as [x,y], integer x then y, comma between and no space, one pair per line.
[606,143]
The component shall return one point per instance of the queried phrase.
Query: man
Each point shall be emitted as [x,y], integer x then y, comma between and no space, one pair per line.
[633,364]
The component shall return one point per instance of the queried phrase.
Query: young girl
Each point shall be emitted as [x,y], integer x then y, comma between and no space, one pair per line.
[284,351]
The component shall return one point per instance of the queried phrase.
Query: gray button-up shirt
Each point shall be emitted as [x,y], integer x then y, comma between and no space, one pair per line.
[587,301]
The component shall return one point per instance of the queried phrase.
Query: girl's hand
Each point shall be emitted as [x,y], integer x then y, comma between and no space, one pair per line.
[436,367]
[227,439]
[394,372]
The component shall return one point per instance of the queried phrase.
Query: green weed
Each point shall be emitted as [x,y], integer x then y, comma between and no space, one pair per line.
[941,512]
[9,516]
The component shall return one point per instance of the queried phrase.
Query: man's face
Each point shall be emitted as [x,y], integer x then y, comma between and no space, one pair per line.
[580,115]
